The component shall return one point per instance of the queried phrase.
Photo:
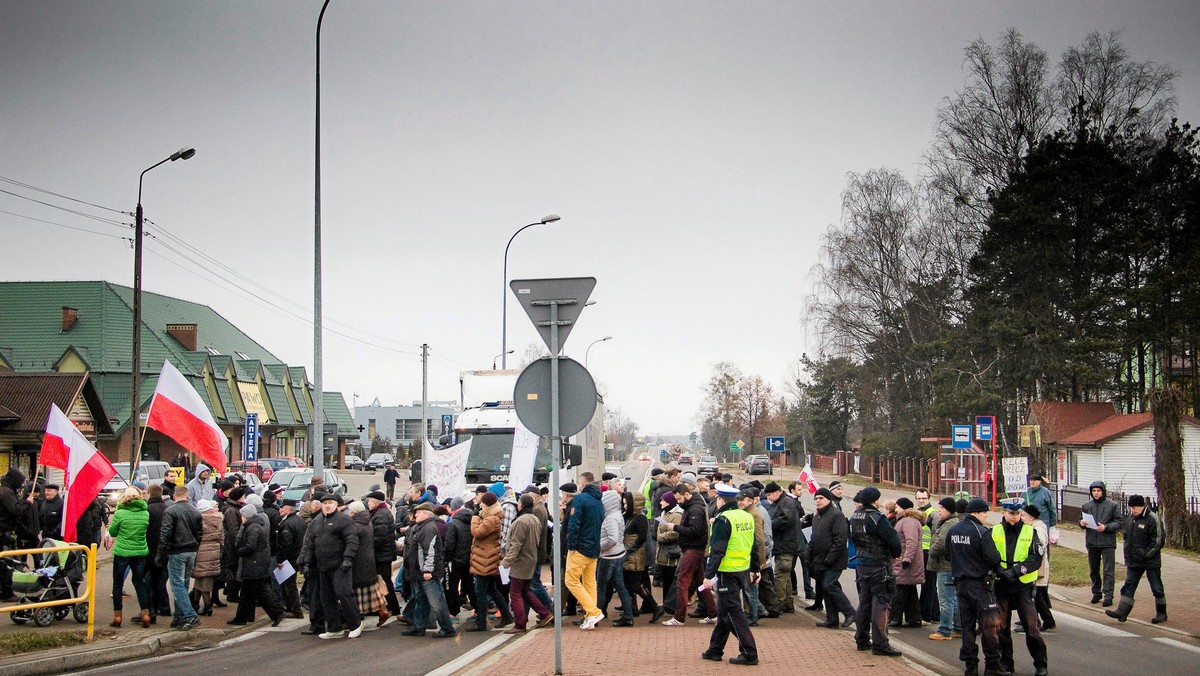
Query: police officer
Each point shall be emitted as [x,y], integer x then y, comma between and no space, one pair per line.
[974,560]
[877,543]
[1021,555]
[732,566]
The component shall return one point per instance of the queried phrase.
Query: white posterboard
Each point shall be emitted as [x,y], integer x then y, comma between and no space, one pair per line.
[1016,474]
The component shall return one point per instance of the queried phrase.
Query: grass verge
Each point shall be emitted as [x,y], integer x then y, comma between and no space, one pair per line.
[1069,568]
[20,642]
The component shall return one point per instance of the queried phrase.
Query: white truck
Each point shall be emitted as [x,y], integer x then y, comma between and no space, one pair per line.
[489,419]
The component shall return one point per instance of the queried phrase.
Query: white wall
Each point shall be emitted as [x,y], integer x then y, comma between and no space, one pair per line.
[1126,464]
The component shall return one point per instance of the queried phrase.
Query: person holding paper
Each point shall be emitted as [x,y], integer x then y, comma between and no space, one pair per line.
[253,549]
[732,565]
[1101,541]
[425,565]
[289,536]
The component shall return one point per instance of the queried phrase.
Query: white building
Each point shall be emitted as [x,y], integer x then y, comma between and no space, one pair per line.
[402,424]
[1119,451]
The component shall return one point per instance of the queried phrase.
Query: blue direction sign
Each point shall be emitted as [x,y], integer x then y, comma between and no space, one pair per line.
[250,438]
[775,444]
[983,427]
[960,436]
[447,424]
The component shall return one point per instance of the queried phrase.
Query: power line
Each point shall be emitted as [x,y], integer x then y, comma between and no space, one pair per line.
[63,225]
[50,192]
[70,211]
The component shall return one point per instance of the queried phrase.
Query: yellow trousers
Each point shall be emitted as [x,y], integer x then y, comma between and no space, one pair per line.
[580,578]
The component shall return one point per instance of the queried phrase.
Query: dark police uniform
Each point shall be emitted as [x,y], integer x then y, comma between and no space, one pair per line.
[732,556]
[973,559]
[877,543]
[1020,557]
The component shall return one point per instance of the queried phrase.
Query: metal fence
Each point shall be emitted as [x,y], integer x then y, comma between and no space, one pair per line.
[88,597]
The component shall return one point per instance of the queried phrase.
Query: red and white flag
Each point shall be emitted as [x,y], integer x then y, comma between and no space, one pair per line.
[806,477]
[85,470]
[178,412]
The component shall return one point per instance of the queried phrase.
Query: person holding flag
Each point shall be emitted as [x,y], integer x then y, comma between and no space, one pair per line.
[85,472]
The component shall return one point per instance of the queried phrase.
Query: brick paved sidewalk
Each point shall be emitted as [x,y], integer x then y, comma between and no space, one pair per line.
[788,645]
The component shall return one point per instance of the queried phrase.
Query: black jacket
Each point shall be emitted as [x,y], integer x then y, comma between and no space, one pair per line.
[971,550]
[1144,538]
[785,525]
[1107,512]
[693,530]
[364,558]
[289,536]
[50,516]
[156,507]
[233,523]
[329,541]
[253,548]
[719,542]
[423,551]
[383,533]
[180,532]
[272,513]
[875,539]
[827,548]
[458,537]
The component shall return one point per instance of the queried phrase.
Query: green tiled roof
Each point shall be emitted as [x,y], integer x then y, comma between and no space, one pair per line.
[338,413]
[280,404]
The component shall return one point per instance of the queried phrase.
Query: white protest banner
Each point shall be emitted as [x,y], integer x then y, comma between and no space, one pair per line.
[1016,474]
[447,468]
[524,455]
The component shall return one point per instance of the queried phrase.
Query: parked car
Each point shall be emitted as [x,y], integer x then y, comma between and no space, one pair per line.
[708,464]
[263,469]
[353,462]
[148,472]
[250,481]
[295,481]
[618,470]
[377,461]
[687,459]
[758,464]
[292,460]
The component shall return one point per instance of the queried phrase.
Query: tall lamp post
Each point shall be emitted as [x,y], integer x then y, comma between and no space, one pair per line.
[317,439]
[135,371]
[589,349]
[498,356]
[546,220]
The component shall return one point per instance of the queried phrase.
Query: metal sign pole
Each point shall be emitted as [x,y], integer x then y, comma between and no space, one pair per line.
[556,455]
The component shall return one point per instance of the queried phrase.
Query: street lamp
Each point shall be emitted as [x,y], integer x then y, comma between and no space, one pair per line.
[317,438]
[498,356]
[589,349]
[546,220]
[135,371]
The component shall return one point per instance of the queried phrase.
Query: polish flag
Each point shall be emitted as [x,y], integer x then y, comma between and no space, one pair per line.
[86,470]
[178,412]
[806,477]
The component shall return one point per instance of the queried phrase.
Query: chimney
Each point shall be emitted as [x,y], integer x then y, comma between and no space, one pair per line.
[69,316]
[185,334]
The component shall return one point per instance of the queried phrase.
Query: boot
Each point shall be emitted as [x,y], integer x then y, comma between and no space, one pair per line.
[116,619]
[1160,616]
[1122,610]
[144,618]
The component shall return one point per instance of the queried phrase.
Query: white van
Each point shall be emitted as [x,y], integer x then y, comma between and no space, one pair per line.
[148,472]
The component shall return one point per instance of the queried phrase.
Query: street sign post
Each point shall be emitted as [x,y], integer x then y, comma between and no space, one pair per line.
[960,436]
[775,444]
[553,305]
[250,438]
[985,430]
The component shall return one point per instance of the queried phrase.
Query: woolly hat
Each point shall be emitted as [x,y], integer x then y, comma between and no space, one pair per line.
[869,495]
[825,493]
[456,504]
[498,489]
[1036,513]
[948,504]
[255,500]
[669,498]
[205,505]
[904,503]
[976,505]
[248,511]
[236,493]
[834,484]
[1136,501]
[378,495]
[772,487]
[656,471]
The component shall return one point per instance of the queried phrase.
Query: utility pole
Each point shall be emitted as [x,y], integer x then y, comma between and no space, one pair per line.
[424,407]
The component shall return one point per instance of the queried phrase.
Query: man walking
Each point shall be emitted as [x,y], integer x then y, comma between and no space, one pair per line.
[732,566]
[290,540]
[1144,539]
[877,543]
[1101,541]
[330,546]
[583,544]
[178,542]
[425,566]
[974,560]
[525,537]
[383,535]
[828,553]
[390,475]
[693,539]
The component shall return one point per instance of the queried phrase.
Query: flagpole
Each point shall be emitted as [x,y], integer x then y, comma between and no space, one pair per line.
[142,437]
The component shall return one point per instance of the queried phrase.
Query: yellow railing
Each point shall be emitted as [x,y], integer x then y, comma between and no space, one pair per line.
[89,596]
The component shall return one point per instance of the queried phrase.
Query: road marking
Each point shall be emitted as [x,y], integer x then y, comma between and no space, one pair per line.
[1093,628]
[470,656]
[1179,644]
[238,639]
[289,624]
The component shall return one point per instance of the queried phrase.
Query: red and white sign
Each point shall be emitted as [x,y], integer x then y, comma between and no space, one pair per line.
[806,477]
[178,412]
[85,469]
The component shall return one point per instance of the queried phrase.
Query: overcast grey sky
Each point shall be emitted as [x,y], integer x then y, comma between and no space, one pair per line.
[695,150]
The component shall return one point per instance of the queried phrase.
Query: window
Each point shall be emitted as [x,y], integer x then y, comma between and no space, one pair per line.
[371,429]
[241,355]
[211,350]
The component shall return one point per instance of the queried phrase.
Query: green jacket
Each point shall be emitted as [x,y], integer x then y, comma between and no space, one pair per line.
[128,527]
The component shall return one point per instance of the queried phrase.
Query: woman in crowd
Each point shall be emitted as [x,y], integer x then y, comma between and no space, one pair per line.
[909,567]
[208,558]
[130,551]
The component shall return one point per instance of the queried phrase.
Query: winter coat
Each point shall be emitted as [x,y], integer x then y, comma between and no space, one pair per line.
[760,531]
[87,528]
[1043,534]
[637,529]
[208,556]
[364,558]
[230,512]
[1105,511]
[668,539]
[937,548]
[524,542]
[181,530]
[693,531]
[289,536]
[201,490]
[612,529]
[50,517]
[329,541]
[458,537]
[485,541]
[583,528]
[253,547]
[272,513]
[1043,499]
[383,533]
[546,547]
[908,527]
[423,550]
[155,507]
[827,548]
[128,526]
[1144,539]
[17,516]
[785,525]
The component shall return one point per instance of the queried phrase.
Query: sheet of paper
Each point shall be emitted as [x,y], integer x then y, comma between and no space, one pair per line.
[284,572]
[503,570]
[657,519]
[807,531]
[1090,521]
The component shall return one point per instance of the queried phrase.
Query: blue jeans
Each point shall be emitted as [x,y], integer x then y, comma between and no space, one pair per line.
[179,568]
[539,589]
[947,604]
[487,591]
[611,572]
[754,608]
[430,599]
[135,567]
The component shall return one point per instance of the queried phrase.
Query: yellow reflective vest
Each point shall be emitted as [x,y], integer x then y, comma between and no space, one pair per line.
[1024,542]
[741,541]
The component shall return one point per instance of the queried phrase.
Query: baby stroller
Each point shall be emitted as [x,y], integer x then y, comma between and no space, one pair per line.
[60,577]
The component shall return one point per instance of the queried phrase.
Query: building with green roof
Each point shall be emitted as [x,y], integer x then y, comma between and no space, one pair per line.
[87,327]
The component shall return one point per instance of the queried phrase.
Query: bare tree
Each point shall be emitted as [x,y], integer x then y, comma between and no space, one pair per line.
[1114,90]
